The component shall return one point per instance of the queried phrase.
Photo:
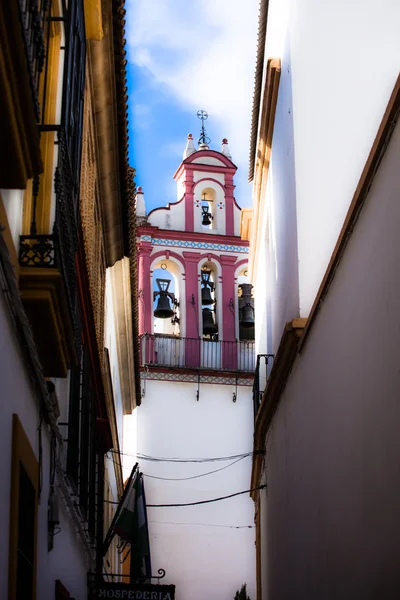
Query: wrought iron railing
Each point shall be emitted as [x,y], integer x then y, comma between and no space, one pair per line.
[37,251]
[179,352]
[33,17]
[58,249]
[261,374]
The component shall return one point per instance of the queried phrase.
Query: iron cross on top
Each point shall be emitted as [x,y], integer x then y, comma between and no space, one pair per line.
[203,115]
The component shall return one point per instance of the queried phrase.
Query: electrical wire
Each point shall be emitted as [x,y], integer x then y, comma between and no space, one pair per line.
[205,525]
[187,460]
[184,478]
[260,487]
[194,476]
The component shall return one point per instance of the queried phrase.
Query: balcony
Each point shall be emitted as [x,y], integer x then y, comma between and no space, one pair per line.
[22,59]
[196,353]
[48,274]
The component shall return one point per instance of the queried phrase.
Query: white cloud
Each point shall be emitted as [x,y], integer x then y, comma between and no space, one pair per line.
[205,54]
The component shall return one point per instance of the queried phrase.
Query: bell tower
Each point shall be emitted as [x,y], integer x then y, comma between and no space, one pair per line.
[196,325]
[196,241]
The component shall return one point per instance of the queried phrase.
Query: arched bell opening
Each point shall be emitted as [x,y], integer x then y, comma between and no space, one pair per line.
[166,300]
[245,305]
[208,215]
[208,291]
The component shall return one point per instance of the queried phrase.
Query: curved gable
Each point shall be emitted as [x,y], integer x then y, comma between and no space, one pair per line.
[209,157]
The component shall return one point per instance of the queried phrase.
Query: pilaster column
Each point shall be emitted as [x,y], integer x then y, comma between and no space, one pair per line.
[189,200]
[229,346]
[229,205]
[193,333]
[144,291]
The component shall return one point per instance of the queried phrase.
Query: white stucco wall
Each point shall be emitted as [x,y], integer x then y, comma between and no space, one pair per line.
[342,61]
[204,561]
[13,204]
[67,560]
[111,345]
[209,160]
[333,449]
[172,217]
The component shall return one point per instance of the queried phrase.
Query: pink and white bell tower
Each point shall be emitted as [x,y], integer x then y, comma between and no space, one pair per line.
[196,323]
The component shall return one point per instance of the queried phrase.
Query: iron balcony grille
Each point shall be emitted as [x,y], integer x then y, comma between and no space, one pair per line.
[58,249]
[34,14]
[179,352]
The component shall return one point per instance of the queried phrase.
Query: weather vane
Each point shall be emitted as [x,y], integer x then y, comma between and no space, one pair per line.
[203,139]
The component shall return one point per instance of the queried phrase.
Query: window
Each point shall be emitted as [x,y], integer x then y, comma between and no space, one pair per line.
[23,517]
[208,279]
[208,208]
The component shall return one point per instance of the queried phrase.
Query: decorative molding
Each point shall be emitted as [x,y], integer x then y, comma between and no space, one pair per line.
[258,78]
[263,157]
[187,235]
[193,244]
[195,378]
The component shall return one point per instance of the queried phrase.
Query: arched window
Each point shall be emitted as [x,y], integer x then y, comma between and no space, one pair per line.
[245,307]
[208,283]
[166,295]
[208,213]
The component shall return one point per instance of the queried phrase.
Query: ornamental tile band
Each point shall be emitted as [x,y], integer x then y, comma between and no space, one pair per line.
[197,245]
[193,378]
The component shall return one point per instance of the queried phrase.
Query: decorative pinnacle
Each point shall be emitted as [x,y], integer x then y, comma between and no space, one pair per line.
[203,139]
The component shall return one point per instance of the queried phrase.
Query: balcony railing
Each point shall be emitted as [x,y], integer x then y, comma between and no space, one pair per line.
[172,351]
[58,249]
[33,17]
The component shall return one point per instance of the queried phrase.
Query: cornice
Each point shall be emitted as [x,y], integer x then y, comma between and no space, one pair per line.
[258,77]
[264,146]
[190,236]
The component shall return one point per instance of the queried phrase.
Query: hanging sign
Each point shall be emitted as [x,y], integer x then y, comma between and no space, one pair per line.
[132,591]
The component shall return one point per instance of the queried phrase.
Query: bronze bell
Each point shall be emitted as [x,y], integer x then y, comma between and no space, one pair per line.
[247,316]
[207,216]
[209,325]
[246,305]
[163,309]
[206,297]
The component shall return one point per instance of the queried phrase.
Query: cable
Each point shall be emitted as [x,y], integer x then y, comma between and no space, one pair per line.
[205,525]
[183,478]
[194,476]
[187,460]
[260,487]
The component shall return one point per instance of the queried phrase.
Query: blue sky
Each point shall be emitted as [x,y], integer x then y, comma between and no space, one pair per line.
[182,56]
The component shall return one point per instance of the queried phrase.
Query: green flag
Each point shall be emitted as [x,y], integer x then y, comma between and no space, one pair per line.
[131,525]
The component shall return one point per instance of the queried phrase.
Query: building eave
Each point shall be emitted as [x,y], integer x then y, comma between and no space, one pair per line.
[108,65]
[258,77]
